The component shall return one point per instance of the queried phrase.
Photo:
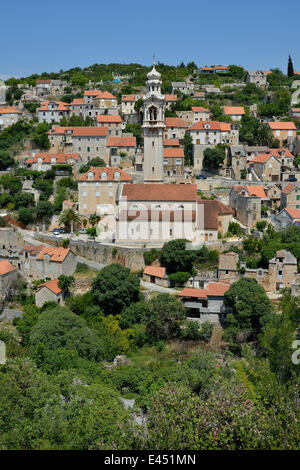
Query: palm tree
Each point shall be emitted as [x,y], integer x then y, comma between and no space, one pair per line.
[94,219]
[64,283]
[69,217]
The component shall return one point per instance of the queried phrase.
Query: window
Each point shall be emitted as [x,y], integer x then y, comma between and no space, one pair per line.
[88,149]
[110,193]
[97,194]
[84,194]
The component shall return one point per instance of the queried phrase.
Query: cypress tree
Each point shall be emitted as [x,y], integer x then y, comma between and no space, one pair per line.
[290,70]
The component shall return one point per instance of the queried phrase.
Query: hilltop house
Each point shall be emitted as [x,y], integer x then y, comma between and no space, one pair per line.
[8,274]
[113,122]
[283,130]
[45,161]
[246,202]
[42,262]
[53,111]
[9,115]
[48,292]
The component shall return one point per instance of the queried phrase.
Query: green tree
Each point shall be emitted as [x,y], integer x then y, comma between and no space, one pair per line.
[115,288]
[188,149]
[164,316]
[69,218]
[214,157]
[251,309]
[64,283]
[44,210]
[6,160]
[290,68]
[26,215]
[175,257]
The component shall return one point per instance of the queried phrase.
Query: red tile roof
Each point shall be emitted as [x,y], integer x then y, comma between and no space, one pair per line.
[173,152]
[294,213]
[214,125]
[171,142]
[132,97]
[77,101]
[51,285]
[212,210]
[109,118]
[175,122]
[92,93]
[217,289]
[195,293]
[83,131]
[56,254]
[200,109]
[288,189]
[61,106]
[258,191]
[120,141]
[9,110]
[261,158]
[110,173]
[171,97]
[288,125]
[160,192]
[46,157]
[6,267]
[32,249]
[40,82]
[277,153]
[106,96]
[155,271]
[234,110]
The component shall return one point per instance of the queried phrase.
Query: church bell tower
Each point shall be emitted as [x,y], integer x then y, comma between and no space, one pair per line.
[153,124]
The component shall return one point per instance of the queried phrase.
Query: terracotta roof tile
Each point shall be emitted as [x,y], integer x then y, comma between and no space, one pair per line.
[160,192]
[6,267]
[173,152]
[288,125]
[109,118]
[288,189]
[234,110]
[56,254]
[77,101]
[278,153]
[9,110]
[213,125]
[195,293]
[155,271]
[294,213]
[92,92]
[217,289]
[106,96]
[120,141]
[47,157]
[171,98]
[212,210]
[61,106]
[84,131]
[258,191]
[175,122]
[110,172]
[171,142]
[261,158]
[51,285]
[200,109]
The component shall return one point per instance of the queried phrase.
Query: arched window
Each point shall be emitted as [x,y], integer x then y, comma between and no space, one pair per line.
[153,113]
[90,175]
[104,175]
[117,175]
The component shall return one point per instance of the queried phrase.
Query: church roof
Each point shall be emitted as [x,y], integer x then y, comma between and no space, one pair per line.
[160,192]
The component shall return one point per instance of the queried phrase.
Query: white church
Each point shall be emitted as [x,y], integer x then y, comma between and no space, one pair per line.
[154,212]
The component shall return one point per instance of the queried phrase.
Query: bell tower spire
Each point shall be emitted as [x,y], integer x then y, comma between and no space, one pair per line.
[153,124]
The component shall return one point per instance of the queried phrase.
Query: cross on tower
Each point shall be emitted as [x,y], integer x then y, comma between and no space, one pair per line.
[153,59]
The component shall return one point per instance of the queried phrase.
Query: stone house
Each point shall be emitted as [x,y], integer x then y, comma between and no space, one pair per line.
[87,142]
[48,292]
[53,111]
[213,133]
[45,161]
[119,145]
[206,304]
[42,262]
[27,187]
[253,150]
[200,114]
[8,244]
[173,161]
[234,112]
[99,187]
[246,202]
[287,217]
[186,116]
[128,102]
[273,193]
[187,88]
[214,217]
[258,77]
[281,273]
[266,167]
[170,143]
[9,115]
[228,267]
[156,275]
[290,197]
[112,122]
[236,160]
[283,131]
[175,128]
[106,101]
[169,100]
[8,274]
[90,95]
[43,87]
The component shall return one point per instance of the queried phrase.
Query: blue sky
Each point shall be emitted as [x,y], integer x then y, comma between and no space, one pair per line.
[48,36]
